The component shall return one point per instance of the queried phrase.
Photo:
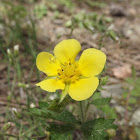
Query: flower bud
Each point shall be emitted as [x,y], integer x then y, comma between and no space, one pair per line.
[8,51]
[114,36]
[6,126]
[14,111]
[10,56]
[111,132]
[16,50]
[23,85]
[32,105]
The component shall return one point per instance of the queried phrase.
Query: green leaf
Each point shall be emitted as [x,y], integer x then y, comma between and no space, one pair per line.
[35,111]
[102,104]
[132,100]
[104,80]
[40,10]
[55,105]
[125,94]
[96,129]
[47,114]
[110,112]
[43,104]
[62,136]
[130,108]
[68,23]
[44,112]
[64,116]
[95,4]
[130,81]
[113,35]
[101,101]
[96,95]
[138,132]
[135,92]
[61,131]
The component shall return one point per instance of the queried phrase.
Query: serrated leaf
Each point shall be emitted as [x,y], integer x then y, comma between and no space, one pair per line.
[101,101]
[64,116]
[60,128]
[62,136]
[96,129]
[48,114]
[110,112]
[102,104]
[96,95]
[43,104]
[60,131]
[35,111]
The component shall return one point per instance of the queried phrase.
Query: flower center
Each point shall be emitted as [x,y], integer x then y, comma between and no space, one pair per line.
[69,72]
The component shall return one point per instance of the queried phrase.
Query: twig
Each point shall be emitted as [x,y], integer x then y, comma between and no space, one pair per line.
[9,135]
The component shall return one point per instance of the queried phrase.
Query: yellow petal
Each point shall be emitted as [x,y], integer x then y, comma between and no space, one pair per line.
[92,62]
[51,85]
[47,63]
[83,88]
[67,50]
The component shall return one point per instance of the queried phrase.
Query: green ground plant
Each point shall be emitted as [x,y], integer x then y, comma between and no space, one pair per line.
[131,103]
[41,116]
[16,29]
[90,21]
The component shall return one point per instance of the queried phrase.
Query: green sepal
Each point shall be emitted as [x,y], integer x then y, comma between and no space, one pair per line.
[64,92]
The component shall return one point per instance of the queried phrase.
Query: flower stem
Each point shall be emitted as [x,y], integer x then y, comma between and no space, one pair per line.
[81,112]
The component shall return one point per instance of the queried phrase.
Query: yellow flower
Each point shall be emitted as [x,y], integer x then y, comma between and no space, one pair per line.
[76,78]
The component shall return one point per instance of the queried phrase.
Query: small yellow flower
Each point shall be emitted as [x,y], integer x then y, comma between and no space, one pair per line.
[76,78]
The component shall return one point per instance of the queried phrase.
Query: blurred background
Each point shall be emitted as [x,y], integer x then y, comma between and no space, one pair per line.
[28,27]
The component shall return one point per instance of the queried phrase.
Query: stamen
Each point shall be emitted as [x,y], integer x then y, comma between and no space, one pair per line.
[69,72]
